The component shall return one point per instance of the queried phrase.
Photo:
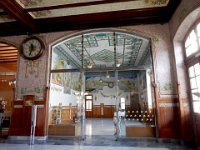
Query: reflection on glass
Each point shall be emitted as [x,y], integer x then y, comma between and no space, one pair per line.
[133,91]
[64,102]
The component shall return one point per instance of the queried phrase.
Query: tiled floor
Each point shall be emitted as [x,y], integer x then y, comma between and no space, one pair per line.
[64,147]
[99,127]
[94,143]
[97,138]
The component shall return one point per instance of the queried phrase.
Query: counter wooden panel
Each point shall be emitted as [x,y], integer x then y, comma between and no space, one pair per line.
[135,131]
[64,130]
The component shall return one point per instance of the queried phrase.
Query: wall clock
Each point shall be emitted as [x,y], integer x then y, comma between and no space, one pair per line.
[32,48]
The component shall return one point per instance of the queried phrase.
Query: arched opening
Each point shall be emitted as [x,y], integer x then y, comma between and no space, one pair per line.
[8,69]
[98,78]
[187,62]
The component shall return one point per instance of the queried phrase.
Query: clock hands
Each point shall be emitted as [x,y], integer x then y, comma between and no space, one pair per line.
[31,48]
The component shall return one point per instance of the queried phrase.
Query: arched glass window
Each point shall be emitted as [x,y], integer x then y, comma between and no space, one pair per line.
[191,44]
[192,51]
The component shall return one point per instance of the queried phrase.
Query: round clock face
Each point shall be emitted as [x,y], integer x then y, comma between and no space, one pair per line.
[32,48]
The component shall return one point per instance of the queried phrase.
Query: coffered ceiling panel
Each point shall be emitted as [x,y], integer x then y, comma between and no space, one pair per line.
[48,3]
[89,9]
[8,53]
[19,17]
[5,17]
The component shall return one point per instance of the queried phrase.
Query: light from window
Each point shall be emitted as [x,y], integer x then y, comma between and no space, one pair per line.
[197,69]
[193,83]
[191,72]
[122,103]
[196,106]
[198,30]
[194,75]
[191,45]
[88,97]
[88,105]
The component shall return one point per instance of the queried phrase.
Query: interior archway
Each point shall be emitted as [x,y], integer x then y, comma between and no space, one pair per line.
[183,78]
[8,69]
[101,72]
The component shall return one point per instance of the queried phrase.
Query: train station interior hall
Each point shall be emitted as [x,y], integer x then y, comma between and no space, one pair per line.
[100,74]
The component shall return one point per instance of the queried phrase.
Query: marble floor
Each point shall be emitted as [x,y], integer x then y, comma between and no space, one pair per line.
[64,147]
[98,126]
[98,136]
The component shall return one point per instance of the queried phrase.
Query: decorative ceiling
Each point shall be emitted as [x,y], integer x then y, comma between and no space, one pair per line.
[8,53]
[38,16]
[103,50]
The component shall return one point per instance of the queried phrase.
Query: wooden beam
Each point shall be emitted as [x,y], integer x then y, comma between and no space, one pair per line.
[3,44]
[6,55]
[8,48]
[8,52]
[17,12]
[10,60]
[7,58]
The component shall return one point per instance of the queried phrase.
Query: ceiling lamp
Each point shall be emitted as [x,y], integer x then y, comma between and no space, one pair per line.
[89,65]
[100,80]
[107,75]
[117,63]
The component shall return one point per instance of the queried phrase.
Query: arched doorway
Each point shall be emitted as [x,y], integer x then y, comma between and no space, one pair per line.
[8,68]
[98,76]
[187,61]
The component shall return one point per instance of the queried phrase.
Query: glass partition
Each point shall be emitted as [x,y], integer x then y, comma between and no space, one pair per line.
[130,91]
[65,99]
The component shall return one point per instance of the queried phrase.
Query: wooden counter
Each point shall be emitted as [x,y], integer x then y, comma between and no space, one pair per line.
[64,130]
[140,131]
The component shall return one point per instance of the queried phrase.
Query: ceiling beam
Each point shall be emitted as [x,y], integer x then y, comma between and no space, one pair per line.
[8,48]
[7,55]
[9,52]
[10,60]
[17,12]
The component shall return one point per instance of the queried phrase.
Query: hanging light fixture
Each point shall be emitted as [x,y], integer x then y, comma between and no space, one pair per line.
[89,65]
[100,80]
[117,63]
[107,75]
